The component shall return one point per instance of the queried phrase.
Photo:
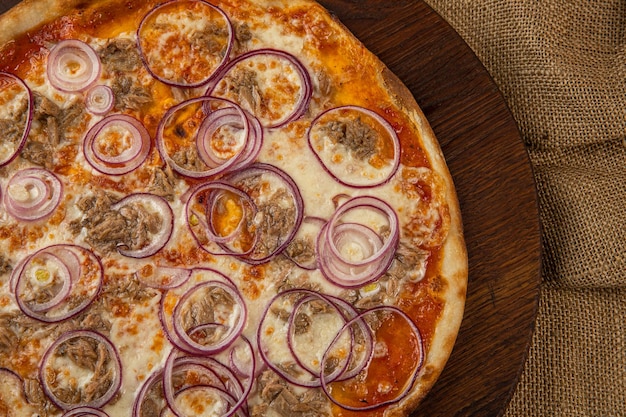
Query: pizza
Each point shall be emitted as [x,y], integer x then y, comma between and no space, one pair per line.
[216,208]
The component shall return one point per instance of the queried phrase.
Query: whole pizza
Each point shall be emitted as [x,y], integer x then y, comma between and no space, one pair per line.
[216,208]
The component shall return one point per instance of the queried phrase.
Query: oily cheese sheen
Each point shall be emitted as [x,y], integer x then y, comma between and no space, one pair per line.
[216,208]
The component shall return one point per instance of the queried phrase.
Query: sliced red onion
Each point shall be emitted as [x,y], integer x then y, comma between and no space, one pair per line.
[49,371]
[198,372]
[100,100]
[376,251]
[187,132]
[193,301]
[201,209]
[347,169]
[228,118]
[219,84]
[154,204]
[119,130]
[33,194]
[13,90]
[11,390]
[79,270]
[275,336]
[85,412]
[171,299]
[306,235]
[163,277]
[272,179]
[412,373]
[73,66]
[169,52]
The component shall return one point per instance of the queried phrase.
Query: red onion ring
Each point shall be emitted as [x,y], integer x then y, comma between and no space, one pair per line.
[233,331]
[11,389]
[163,277]
[309,230]
[114,358]
[210,120]
[33,194]
[79,265]
[100,100]
[85,412]
[126,161]
[217,375]
[179,76]
[171,299]
[266,170]
[306,86]
[62,293]
[154,204]
[204,233]
[414,372]
[269,336]
[6,81]
[340,171]
[348,273]
[73,66]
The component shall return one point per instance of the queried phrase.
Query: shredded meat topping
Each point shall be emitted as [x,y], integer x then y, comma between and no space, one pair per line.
[107,229]
[243,85]
[356,135]
[280,398]
[162,183]
[130,95]
[120,56]
[208,40]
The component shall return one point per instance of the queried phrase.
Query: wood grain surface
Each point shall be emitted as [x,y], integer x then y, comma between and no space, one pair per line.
[495,187]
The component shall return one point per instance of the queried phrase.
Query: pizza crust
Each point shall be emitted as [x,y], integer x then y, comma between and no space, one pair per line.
[453,264]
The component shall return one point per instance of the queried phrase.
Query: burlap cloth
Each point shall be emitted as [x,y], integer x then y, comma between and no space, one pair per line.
[561,66]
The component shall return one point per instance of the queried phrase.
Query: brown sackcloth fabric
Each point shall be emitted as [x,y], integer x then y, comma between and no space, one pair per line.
[561,65]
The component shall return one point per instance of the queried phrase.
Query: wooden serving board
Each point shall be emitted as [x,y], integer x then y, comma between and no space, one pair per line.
[495,187]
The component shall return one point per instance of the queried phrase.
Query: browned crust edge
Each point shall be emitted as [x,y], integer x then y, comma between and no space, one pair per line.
[454,266]
[454,261]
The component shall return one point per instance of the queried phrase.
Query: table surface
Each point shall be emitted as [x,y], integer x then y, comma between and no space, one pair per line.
[495,187]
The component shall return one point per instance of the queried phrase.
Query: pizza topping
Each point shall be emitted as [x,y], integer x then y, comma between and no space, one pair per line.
[120,57]
[85,412]
[220,218]
[280,208]
[117,144]
[150,220]
[81,368]
[12,398]
[209,317]
[57,282]
[16,114]
[207,136]
[100,100]
[271,84]
[358,243]
[228,391]
[32,194]
[184,43]
[380,382]
[302,249]
[298,330]
[358,147]
[73,66]
[129,94]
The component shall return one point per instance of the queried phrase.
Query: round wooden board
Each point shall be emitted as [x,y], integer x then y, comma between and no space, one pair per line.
[496,190]
[495,186]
